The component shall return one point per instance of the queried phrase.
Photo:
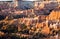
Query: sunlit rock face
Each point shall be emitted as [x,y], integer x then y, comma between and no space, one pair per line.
[58,0]
[54,15]
[41,5]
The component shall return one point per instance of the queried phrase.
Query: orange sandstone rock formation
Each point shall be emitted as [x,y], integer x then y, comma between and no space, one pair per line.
[54,15]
